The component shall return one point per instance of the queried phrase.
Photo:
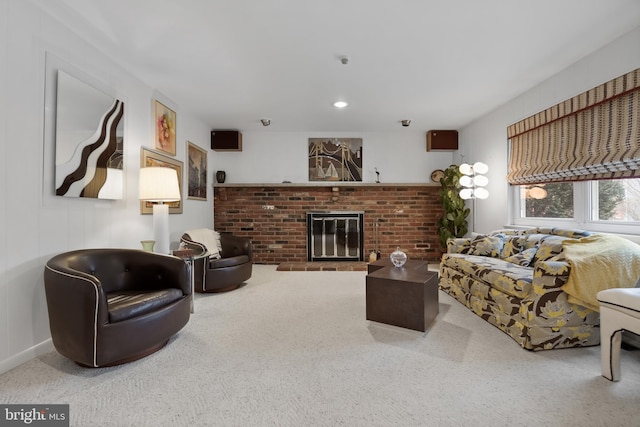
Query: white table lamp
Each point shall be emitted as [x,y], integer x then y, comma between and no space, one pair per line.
[159,185]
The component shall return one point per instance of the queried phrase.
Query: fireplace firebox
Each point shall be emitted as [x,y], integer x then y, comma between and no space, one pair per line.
[335,236]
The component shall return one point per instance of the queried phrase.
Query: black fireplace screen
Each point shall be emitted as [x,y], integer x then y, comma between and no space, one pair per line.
[335,236]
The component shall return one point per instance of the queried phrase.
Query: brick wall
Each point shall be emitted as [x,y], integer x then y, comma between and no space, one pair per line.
[275,217]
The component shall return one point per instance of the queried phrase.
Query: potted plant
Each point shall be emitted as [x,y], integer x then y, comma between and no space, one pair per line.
[453,222]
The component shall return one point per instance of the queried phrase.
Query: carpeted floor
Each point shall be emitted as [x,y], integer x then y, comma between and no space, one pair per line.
[295,349]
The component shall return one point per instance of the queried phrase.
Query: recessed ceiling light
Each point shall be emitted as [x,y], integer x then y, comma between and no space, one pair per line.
[340,104]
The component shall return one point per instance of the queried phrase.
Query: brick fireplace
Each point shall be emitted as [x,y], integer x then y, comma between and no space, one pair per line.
[274,216]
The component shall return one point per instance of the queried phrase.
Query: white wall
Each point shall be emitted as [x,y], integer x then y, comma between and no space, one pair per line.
[34,224]
[273,157]
[486,138]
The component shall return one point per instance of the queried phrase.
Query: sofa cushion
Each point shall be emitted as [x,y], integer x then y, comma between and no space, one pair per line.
[490,246]
[523,258]
[508,232]
[228,262]
[507,277]
[571,233]
[539,230]
[124,305]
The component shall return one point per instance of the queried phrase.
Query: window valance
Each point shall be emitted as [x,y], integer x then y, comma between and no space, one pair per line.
[594,135]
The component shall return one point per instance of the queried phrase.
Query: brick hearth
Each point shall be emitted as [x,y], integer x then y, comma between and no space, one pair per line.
[323,266]
[274,216]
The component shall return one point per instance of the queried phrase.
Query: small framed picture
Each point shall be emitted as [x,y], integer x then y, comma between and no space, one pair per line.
[197,172]
[151,158]
[165,125]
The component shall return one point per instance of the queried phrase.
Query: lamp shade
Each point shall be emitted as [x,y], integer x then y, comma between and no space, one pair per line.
[480,180]
[466,193]
[481,168]
[466,181]
[158,184]
[481,193]
[466,169]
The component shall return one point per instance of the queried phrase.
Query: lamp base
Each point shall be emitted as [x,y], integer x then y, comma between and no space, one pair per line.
[161,228]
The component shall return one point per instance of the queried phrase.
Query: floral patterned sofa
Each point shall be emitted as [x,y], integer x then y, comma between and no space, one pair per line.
[513,280]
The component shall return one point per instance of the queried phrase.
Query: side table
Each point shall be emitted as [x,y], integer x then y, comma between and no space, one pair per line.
[188,256]
[402,296]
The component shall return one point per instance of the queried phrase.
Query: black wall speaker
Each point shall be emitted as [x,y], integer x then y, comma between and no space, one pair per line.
[445,140]
[226,140]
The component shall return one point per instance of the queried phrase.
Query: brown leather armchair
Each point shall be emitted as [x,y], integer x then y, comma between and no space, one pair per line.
[226,273]
[112,306]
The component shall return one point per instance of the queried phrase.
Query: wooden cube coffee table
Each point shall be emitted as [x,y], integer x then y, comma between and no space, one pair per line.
[402,296]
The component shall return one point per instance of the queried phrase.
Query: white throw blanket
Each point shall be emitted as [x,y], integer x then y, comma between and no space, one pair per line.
[209,238]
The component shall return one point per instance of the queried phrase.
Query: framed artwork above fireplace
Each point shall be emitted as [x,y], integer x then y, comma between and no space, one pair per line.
[335,159]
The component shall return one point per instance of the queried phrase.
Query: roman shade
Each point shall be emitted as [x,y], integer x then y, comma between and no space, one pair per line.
[594,135]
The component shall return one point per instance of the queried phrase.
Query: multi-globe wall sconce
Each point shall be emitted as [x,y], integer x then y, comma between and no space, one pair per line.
[473,180]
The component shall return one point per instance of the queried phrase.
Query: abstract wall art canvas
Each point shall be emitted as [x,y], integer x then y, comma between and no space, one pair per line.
[335,159]
[89,141]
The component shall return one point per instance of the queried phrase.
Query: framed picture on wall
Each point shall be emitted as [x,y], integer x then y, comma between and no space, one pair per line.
[196,172]
[335,159]
[152,158]
[165,125]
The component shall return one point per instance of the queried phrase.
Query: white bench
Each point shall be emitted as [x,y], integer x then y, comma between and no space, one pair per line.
[619,310]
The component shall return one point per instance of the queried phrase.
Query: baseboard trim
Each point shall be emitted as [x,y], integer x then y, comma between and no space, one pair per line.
[26,355]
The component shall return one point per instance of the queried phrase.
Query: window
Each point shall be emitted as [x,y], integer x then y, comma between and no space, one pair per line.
[616,200]
[577,163]
[605,205]
[554,200]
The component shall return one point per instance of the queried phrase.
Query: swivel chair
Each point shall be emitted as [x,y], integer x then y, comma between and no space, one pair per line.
[112,306]
[222,262]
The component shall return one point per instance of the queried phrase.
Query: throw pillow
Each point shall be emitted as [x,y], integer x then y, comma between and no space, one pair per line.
[513,245]
[458,246]
[558,258]
[534,240]
[523,258]
[550,248]
[487,246]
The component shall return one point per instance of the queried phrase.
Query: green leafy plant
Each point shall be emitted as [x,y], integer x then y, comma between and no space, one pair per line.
[453,222]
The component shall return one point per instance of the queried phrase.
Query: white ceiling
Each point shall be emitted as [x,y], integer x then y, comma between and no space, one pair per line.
[438,63]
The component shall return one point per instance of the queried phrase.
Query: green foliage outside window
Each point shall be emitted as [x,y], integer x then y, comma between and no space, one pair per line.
[610,194]
[558,202]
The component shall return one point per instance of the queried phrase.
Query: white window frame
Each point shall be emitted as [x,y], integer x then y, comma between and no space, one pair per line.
[583,204]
